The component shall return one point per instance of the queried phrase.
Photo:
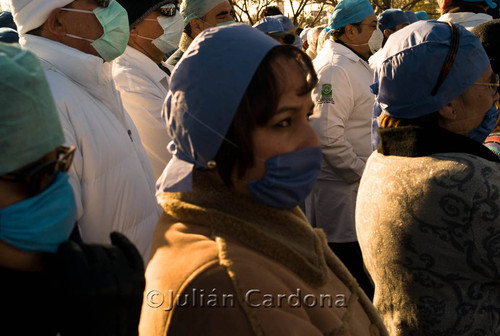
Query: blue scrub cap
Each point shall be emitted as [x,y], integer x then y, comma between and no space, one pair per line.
[349,12]
[195,9]
[411,16]
[407,71]
[285,21]
[29,123]
[206,89]
[390,18]
[269,24]
[422,15]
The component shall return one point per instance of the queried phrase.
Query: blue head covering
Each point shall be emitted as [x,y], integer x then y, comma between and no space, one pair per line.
[349,12]
[409,66]
[285,21]
[206,88]
[422,15]
[411,16]
[273,27]
[390,18]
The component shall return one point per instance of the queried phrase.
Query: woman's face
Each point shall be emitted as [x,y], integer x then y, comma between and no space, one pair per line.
[471,106]
[288,129]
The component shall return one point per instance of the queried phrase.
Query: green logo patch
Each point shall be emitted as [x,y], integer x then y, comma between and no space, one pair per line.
[326,94]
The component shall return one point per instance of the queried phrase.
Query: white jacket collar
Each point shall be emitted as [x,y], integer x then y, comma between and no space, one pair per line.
[137,60]
[342,50]
[82,68]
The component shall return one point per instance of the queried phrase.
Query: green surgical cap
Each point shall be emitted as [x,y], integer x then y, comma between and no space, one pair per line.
[195,9]
[29,124]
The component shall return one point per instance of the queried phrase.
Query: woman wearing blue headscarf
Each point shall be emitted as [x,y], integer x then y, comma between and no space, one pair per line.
[233,254]
[429,204]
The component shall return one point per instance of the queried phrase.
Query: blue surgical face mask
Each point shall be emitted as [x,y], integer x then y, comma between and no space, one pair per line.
[289,178]
[114,21]
[41,223]
[481,132]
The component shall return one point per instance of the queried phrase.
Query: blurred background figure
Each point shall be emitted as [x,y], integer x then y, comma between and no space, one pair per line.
[342,119]
[312,38]
[155,29]
[466,13]
[8,32]
[303,36]
[489,35]
[273,27]
[389,22]
[199,15]
[427,213]
[270,11]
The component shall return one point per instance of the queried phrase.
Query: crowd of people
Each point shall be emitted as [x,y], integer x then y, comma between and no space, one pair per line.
[169,171]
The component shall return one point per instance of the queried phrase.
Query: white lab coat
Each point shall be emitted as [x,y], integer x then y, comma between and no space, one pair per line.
[111,175]
[342,121]
[143,87]
[467,19]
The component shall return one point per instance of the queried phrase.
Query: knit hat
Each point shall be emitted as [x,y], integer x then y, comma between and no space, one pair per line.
[489,35]
[390,18]
[8,35]
[138,10]
[31,14]
[407,72]
[199,112]
[195,9]
[349,12]
[29,123]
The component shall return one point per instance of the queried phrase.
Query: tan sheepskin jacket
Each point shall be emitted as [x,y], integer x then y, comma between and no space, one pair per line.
[225,265]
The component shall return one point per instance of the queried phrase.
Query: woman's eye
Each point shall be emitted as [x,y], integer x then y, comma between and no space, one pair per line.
[284,123]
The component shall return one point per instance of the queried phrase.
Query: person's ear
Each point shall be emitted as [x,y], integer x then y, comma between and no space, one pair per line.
[196,27]
[448,112]
[55,23]
[387,33]
[133,32]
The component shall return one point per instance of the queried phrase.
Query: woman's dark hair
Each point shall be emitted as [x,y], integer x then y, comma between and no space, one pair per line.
[257,106]
[458,6]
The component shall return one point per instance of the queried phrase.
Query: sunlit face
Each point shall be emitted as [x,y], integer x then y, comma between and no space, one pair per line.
[288,129]
[360,38]
[221,13]
[150,28]
[471,106]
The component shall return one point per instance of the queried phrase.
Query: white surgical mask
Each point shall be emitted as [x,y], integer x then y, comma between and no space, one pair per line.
[375,41]
[172,31]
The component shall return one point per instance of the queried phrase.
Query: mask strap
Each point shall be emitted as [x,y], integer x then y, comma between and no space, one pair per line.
[79,38]
[146,38]
[76,10]
[450,58]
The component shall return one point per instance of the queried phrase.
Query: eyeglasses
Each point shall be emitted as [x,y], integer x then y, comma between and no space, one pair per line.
[168,9]
[43,174]
[494,85]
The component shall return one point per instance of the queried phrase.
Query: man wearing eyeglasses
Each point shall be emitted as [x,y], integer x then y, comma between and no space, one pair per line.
[342,121]
[198,16]
[50,285]
[155,30]
[111,174]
